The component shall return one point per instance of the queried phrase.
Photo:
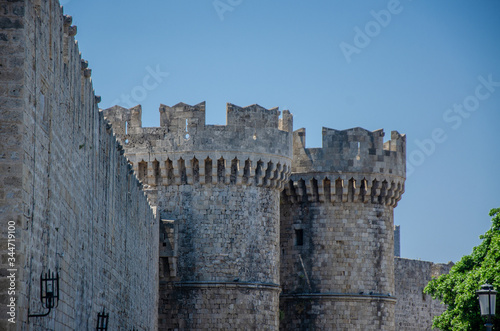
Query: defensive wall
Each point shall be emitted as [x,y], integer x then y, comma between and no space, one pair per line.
[65,187]
[415,309]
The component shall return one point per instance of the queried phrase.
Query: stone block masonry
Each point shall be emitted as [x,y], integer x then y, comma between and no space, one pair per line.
[415,309]
[78,209]
[11,156]
[337,236]
[219,185]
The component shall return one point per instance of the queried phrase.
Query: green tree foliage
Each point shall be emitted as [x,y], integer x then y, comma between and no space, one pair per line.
[458,288]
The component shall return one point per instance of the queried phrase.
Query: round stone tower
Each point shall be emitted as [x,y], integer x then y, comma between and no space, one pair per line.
[217,188]
[337,241]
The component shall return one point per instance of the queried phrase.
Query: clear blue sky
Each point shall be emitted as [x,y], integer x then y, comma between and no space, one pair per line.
[415,67]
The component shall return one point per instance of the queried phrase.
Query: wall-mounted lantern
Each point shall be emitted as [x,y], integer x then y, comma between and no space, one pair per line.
[49,292]
[102,320]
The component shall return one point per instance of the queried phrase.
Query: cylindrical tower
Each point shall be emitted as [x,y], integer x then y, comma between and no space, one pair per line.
[337,241]
[217,188]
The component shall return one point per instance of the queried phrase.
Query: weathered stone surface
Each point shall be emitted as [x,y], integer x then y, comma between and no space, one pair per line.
[65,188]
[337,236]
[218,306]
[336,312]
[219,187]
[414,309]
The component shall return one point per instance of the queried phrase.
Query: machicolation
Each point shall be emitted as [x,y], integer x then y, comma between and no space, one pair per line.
[252,149]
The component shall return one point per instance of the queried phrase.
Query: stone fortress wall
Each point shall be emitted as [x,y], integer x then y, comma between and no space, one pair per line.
[217,189]
[77,207]
[414,308]
[231,203]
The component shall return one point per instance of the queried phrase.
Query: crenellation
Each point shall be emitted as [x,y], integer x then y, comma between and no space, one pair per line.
[182,117]
[183,127]
[253,116]
[134,122]
[350,150]
[286,121]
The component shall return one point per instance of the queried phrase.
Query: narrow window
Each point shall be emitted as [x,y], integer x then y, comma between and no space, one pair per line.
[315,191]
[363,189]
[374,191]
[339,186]
[299,237]
[234,171]
[208,170]
[170,171]
[327,189]
[302,189]
[182,171]
[143,171]
[258,171]
[246,171]
[156,171]
[351,188]
[221,170]
[195,164]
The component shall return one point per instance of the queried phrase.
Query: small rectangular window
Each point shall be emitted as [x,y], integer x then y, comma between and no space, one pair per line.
[299,237]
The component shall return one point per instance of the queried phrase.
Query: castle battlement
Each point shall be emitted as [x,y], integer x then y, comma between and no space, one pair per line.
[183,116]
[353,150]
[254,148]
[183,127]
[174,118]
[353,165]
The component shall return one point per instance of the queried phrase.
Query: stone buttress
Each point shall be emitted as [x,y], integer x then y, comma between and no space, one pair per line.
[217,188]
[337,239]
